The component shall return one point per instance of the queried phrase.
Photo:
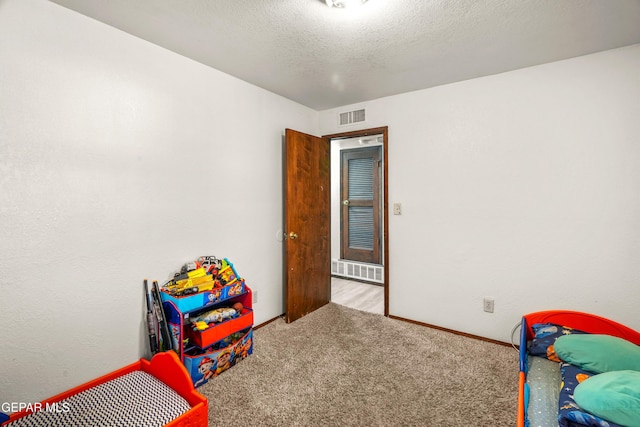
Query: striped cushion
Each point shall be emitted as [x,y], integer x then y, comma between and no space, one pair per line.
[132,400]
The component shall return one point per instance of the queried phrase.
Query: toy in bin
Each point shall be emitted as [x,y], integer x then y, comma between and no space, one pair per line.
[217,315]
[200,300]
[212,326]
[204,274]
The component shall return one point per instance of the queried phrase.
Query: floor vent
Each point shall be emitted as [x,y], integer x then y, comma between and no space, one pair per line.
[350,117]
[357,270]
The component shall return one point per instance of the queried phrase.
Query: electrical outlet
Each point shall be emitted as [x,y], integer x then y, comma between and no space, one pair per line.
[488,305]
[255,296]
[397,209]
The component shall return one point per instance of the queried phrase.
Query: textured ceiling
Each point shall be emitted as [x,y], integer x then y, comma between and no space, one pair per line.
[325,58]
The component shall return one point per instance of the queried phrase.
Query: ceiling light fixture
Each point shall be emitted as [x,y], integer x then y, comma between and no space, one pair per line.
[341,4]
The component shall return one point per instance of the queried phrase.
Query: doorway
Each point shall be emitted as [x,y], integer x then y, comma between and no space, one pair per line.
[359,215]
[308,217]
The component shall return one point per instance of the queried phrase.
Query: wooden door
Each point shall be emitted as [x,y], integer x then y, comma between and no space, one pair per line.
[360,213]
[307,197]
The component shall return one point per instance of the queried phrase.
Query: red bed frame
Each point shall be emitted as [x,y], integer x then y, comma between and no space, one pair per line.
[574,319]
[164,366]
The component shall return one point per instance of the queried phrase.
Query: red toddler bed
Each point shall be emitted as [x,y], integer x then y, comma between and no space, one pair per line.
[548,381]
[145,394]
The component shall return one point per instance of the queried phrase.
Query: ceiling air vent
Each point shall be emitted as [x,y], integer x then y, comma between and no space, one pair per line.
[351,117]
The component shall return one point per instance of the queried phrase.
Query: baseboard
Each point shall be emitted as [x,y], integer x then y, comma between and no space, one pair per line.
[415,322]
[440,328]
[267,322]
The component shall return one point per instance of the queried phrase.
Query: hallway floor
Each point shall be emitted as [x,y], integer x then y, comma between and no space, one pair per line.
[358,295]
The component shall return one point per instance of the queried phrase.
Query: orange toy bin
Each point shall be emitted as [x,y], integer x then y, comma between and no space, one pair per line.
[218,331]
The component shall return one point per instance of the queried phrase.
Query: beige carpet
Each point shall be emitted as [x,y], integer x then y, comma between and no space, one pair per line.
[339,366]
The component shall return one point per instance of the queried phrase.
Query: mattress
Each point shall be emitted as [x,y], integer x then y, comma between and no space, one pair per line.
[543,381]
[135,399]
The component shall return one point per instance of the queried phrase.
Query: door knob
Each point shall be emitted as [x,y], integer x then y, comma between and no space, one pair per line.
[345,202]
[293,236]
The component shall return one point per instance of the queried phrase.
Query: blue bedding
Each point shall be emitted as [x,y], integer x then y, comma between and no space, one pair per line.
[569,413]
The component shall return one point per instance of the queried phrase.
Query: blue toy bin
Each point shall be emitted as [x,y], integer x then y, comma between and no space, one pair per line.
[208,365]
[196,301]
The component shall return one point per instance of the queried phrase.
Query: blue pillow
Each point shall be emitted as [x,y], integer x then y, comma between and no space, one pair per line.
[598,353]
[614,396]
[544,337]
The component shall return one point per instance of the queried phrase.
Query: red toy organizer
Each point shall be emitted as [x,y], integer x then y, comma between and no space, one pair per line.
[200,355]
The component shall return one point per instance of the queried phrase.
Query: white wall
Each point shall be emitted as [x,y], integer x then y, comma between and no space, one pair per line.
[120,160]
[523,186]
